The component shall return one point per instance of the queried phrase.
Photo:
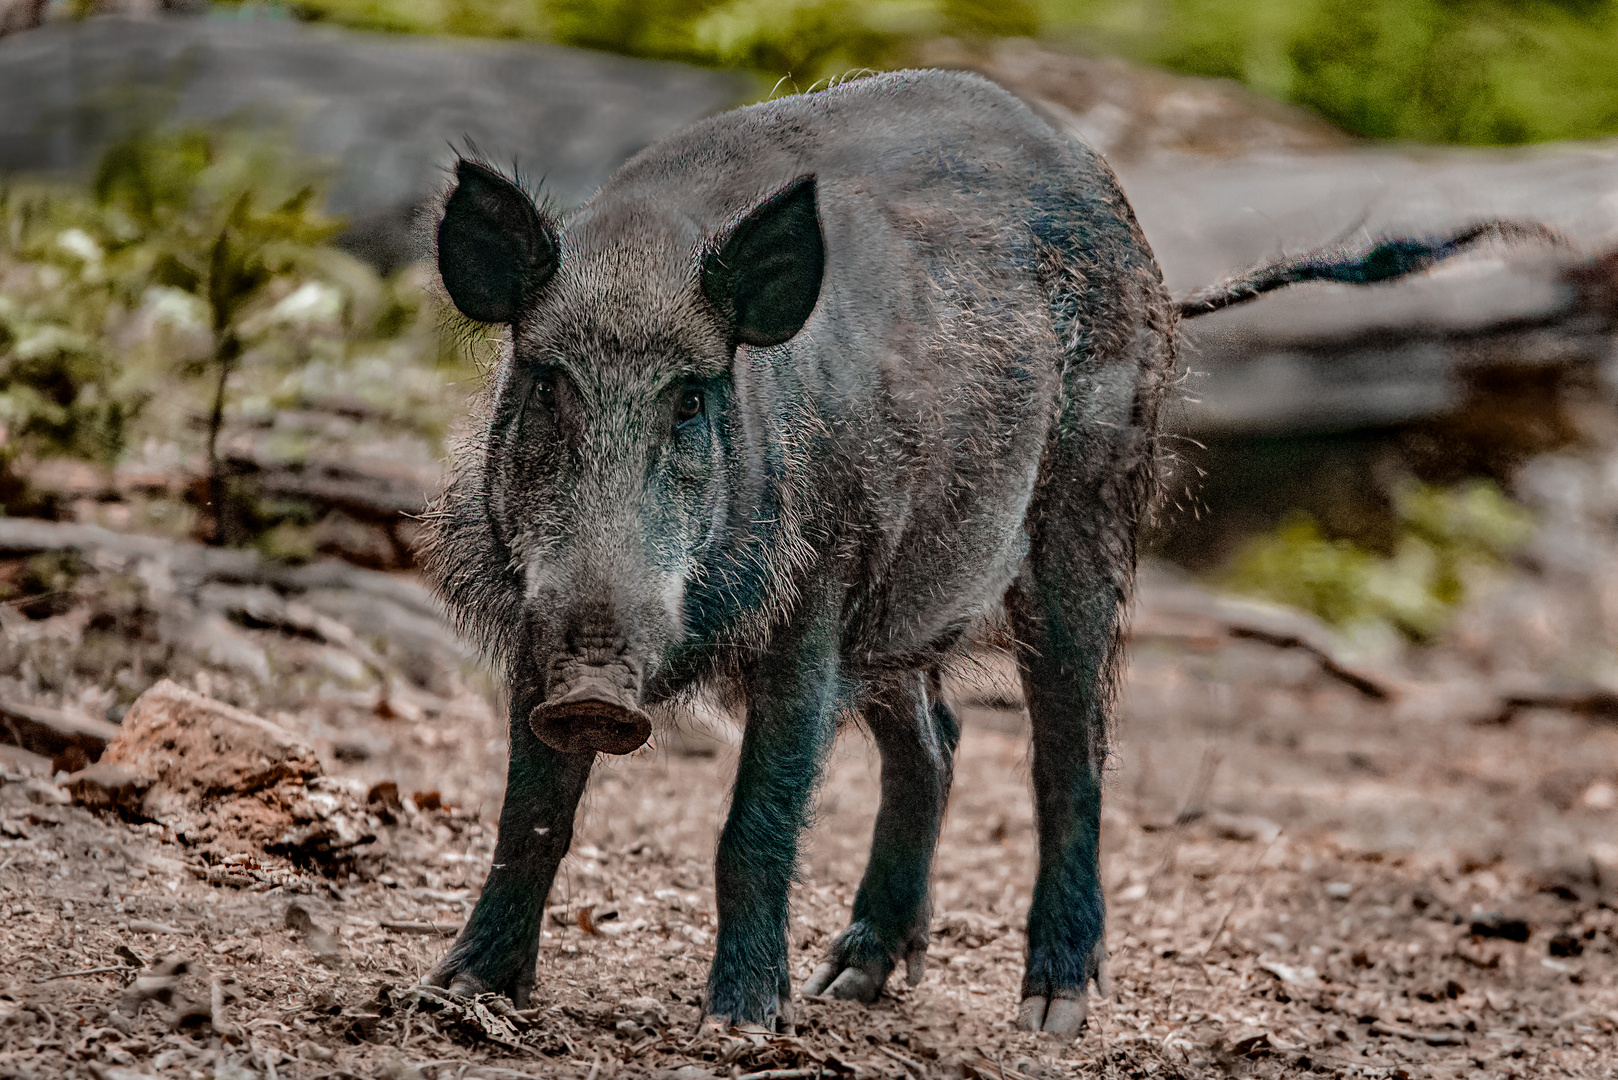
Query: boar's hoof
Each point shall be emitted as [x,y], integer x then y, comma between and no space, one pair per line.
[847,984]
[592,716]
[1063,1016]
[470,986]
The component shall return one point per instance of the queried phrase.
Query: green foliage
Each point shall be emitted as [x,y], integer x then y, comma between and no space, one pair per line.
[1447,539]
[807,40]
[811,39]
[1445,71]
[45,586]
[59,386]
[466,18]
[168,216]
[189,258]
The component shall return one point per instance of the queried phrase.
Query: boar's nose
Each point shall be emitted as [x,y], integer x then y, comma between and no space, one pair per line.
[593,710]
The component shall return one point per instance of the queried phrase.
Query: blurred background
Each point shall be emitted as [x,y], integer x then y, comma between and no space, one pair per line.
[1359,454]
[1379,612]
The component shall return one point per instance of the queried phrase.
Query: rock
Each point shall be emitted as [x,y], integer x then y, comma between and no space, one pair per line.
[161,984]
[329,820]
[194,745]
[16,762]
[226,781]
[41,792]
[117,1072]
[1305,978]
[400,1068]
[644,1011]
[1132,112]
[383,109]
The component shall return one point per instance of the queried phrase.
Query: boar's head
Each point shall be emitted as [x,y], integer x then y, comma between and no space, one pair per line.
[605,483]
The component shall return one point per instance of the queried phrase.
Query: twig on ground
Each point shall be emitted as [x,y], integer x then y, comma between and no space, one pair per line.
[81,971]
[426,929]
[1431,1038]
[216,1010]
[910,1064]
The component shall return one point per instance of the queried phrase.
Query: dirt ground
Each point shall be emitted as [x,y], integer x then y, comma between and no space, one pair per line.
[1300,879]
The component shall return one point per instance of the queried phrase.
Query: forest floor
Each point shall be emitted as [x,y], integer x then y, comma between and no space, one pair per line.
[1300,878]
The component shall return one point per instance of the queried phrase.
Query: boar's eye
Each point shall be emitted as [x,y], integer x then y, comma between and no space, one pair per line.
[689,408]
[540,405]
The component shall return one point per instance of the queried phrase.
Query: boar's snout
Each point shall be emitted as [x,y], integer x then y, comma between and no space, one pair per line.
[593,711]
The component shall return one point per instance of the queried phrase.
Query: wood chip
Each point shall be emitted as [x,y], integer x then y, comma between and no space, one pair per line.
[1431,1038]
[428,929]
[146,926]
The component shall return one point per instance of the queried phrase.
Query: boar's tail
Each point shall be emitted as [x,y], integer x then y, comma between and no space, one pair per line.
[1384,261]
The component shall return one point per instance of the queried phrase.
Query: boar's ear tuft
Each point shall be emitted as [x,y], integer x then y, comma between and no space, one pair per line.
[494,248]
[766,275]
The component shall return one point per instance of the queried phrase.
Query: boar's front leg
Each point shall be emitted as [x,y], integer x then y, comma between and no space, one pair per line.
[916,734]
[792,701]
[497,949]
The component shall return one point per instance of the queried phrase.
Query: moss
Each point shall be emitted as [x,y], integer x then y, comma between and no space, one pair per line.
[1482,72]
[1447,539]
[805,41]
[1446,71]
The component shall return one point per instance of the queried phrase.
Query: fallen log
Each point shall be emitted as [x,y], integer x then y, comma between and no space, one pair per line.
[1330,358]
[55,733]
[1186,612]
[365,489]
[118,551]
[369,603]
[385,110]
[1590,702]
[197,563]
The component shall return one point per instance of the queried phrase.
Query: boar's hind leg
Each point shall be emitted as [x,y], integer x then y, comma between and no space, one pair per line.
[1067,620]
[792,701]
[916,734]
[497,949]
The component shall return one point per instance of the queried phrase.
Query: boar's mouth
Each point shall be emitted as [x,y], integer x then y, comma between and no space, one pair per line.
[595,713]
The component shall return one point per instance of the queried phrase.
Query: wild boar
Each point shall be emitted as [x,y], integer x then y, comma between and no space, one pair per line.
[801,399]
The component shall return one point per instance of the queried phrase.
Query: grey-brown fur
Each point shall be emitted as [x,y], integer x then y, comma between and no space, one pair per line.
[964,428]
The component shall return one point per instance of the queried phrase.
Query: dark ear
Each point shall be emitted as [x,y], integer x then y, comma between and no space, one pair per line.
[494,249]
[766,275]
